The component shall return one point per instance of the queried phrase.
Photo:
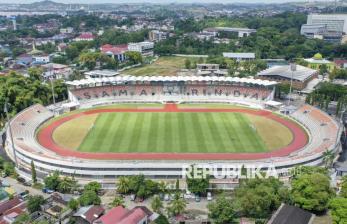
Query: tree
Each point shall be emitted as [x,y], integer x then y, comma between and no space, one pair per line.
[89,198]
[123,185]
[23,219]
[328,158]
[73,204]
[9,169]
[33,172]
[221,211]
[156,204]
[118,201]
[34,203]
[35,73]
[187,63]
[343,191]
[93,186]
[311,192]
[198,185]
[52,181]
[161,220]
[134,57]
[177,206]
[323,69]
[258,198]
[67,185]
[338,210]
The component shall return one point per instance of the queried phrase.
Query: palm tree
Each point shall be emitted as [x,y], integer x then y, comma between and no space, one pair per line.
[65,185]
[123,185]
[157,204]
[162,187]
[328,158]
[118,201]
[177,206]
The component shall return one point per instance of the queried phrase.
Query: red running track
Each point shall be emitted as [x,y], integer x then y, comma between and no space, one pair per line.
[300,138]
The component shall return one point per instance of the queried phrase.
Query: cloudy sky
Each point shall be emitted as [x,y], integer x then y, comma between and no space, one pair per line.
[156,1]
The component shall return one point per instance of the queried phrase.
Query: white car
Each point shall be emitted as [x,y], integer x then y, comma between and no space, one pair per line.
[187,195]
[209,196]
[166,197]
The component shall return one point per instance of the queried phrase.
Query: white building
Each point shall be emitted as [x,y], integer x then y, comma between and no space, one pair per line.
[145,48]
[336,23]
[157,35]
[239,56]
[101,74]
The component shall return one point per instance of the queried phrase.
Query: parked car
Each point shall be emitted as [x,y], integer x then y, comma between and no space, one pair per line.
[187,195]
[166,197]
[21,180]
[209,196]
[132,197]
[27,183]
[47,191]
[197,198]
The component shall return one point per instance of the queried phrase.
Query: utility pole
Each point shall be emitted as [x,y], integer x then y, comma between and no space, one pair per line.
[292,69]
[11,135]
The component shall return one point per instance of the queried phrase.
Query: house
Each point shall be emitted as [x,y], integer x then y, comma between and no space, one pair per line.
[56,71]
[157,35]
[341,63]
[287,214]
[120,215]
[301,75]
[88,214]
[24,59]
[239,56]
[11,209]
[66,30]
[85,37]
[40,59]
[115,51]
[145,48]
[62,47]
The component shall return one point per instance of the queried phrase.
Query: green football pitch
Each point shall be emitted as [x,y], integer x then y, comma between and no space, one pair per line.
[176,132]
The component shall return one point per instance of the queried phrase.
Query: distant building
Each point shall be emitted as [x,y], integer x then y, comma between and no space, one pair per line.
[328,27]
[115,51]
[209,70]
[120,215]
[41,59]
[317,61]
[157,35]
[25,59]
[62,47]
[241,32]
[11,209]
[283,74]
[101,74]
[145,48]
[239,56]
[67,30]
[56,71]
[85,37]
[341,63]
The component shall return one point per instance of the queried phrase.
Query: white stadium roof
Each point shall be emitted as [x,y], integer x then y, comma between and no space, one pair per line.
[128,78]
[301,74]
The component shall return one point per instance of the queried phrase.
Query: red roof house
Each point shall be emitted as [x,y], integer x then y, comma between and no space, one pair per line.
[85,37]
[116,51]
[120,215]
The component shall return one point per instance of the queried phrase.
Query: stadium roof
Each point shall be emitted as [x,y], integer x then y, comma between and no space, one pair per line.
[120,79]
[301,74]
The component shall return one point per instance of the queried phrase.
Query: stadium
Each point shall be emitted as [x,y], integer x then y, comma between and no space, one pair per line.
[155,125]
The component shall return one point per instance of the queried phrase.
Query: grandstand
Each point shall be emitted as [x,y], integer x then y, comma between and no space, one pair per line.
[322,130]
[172,88]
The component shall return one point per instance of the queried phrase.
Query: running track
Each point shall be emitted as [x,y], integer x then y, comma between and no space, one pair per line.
[300,138]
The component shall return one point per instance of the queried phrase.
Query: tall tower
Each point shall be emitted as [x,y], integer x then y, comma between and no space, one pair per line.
[14,22]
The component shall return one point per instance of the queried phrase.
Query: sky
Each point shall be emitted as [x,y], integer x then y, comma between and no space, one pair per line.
[157,1]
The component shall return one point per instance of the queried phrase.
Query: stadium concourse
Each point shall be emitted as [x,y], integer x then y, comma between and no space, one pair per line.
[322,130]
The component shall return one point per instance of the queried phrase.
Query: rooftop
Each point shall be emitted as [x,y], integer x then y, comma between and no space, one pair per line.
[302,73]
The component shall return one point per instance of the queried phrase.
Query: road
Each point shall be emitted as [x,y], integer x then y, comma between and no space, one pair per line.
[18,187]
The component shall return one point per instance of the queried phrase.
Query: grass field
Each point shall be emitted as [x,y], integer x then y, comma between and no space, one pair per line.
[165,66]
[177,132]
